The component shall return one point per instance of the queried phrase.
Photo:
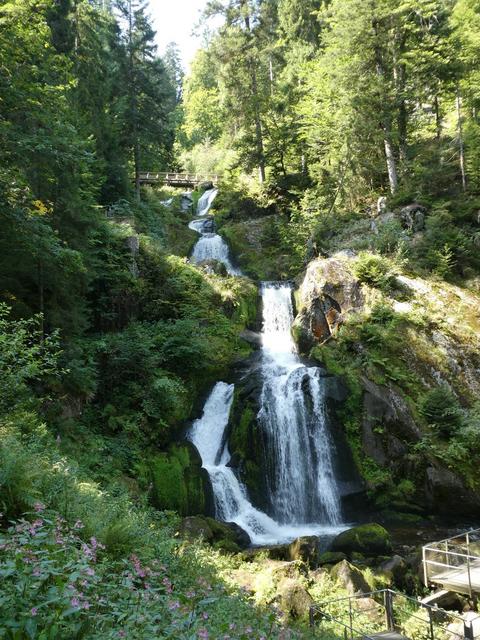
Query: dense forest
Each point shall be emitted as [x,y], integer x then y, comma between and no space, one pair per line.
[346,134]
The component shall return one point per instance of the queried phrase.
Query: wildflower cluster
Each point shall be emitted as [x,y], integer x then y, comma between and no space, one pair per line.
[57,582]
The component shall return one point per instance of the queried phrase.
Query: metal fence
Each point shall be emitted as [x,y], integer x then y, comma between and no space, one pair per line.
[367,616]
[454,563]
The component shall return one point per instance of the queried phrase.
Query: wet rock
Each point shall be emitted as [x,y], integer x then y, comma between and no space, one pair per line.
[350,578]
[228,531]
[252,337]
[368,539]
[186,201]
[274,552]
[294,599]
[206,186]
[213,267]
[385,406]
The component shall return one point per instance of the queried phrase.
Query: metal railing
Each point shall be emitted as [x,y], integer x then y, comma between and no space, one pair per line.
[454,562]
[180,178]
[392,612]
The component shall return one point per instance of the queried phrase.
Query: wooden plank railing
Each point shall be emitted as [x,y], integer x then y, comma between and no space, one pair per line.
[177,178]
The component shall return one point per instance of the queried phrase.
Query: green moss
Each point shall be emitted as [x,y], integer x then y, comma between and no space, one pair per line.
[178,483]
[367,539]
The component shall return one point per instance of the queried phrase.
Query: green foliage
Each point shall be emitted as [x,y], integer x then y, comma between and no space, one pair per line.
[441,410]
[374,270]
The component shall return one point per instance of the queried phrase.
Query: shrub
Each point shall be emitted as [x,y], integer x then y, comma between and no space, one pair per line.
[441,410]
[374,270]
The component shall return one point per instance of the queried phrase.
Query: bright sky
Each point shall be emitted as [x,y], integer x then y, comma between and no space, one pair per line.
[174,20]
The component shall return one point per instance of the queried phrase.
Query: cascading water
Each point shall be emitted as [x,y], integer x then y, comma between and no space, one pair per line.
[205,201]
[210,246]
[231,499]
[301,477]
[304,496]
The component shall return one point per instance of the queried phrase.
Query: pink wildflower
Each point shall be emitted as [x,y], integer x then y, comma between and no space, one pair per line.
[205,615]
[190,594]
[203,633]
[38,506]
[85,605]
[174,605]
[75,602]
[248,630]
[90,571]
[33,611]
[122,633]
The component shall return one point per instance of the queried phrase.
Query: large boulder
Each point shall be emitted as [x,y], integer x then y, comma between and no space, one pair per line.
[350,578]
[305,549]
[194,528]
[328,292]
[294,599]
[368,539]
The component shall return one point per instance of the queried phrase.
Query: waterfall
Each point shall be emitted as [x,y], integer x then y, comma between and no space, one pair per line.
[304,496]
[205,201]
[211,245]
[231,499]
[301,476]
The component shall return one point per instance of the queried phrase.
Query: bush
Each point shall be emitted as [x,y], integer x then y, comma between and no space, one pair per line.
[441,410]
[374,270]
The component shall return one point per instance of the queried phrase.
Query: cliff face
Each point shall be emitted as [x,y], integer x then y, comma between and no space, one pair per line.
[395,345]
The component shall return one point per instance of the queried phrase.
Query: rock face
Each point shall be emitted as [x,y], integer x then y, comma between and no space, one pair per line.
[328,292]
[350,578]
[385,407]
[446,493]
[368,539]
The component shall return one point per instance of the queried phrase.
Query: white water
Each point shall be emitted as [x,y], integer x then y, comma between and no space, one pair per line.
[301,478]
[205,201]
[231,500]
[303,492]
[210,246]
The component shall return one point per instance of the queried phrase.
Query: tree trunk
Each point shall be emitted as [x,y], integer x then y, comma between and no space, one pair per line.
[400,83]
[438,119]
[458,103]
[385,118]
[391,164]
[258,122]
[133,102]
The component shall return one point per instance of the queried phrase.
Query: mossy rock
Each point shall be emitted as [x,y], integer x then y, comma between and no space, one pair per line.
[227,546]
[178,481]
[331,557]
[367,539]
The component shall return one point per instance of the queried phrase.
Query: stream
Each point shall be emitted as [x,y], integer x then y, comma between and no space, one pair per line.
[304,494]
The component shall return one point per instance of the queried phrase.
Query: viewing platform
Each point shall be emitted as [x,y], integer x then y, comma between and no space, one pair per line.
[174,179]
[388,615]
[453,564]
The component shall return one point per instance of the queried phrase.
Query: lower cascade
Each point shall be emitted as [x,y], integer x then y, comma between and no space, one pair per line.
[304,496]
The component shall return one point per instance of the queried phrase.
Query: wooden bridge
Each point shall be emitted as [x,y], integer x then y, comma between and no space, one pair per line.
[173,179]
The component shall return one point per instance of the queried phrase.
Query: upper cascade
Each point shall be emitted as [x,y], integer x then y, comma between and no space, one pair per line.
[211,245]
[205,201]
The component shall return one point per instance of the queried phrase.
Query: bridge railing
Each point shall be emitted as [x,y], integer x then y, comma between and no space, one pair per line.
[370,615]
[455,559]
[173,177]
